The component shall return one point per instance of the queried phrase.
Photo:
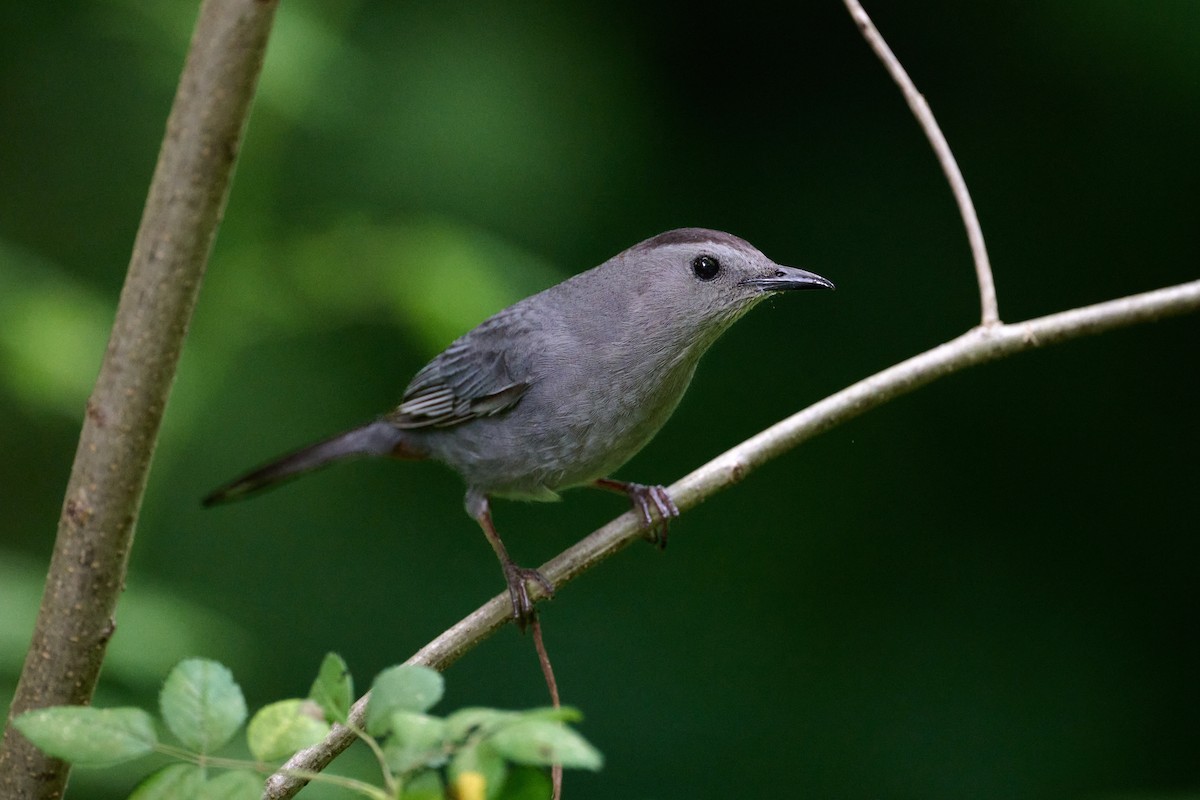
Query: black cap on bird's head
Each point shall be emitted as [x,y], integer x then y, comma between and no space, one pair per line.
[711,276]
[716,251]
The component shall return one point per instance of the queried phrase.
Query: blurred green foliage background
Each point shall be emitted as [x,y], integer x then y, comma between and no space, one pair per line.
[988,589]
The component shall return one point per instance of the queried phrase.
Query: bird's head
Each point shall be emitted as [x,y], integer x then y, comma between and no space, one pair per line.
[704,279]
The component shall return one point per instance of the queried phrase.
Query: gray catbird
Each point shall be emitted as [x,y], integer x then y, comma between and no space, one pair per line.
[562,388]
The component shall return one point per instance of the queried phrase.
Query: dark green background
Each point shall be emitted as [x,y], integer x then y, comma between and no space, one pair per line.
[987,589]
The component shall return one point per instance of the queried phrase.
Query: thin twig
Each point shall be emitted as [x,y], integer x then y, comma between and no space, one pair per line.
[977,346]
[920,109]
[556,772]
[544,661]
[95,531]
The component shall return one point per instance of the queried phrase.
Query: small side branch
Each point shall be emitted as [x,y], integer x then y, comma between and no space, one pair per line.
[920,109]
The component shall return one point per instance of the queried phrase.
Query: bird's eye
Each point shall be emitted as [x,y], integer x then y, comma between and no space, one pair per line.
[706,267]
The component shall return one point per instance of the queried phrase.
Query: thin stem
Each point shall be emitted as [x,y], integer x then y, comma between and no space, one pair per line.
[977,346]
[353,785]
[544,661]
[920,109]
[183,754]
[556,771]
[389,779]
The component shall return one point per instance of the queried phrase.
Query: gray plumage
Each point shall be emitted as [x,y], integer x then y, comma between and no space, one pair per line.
[562,388]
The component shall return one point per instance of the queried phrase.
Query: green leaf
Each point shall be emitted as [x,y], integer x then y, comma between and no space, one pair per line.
[237,785]
[481,760]
[524,783]
[415,741]
[466,721]
[485,721]
[551,714]
[89,736]
[202,705]
[404,688]
[333,689]
[282,728]
[540,743]
[425,786]
[176,782]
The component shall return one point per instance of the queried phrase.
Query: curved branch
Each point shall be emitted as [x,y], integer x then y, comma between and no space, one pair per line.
[977,346]
[920,109]
[95,532]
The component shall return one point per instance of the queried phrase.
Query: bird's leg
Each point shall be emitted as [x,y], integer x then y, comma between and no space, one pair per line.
[516,577]
[649,502]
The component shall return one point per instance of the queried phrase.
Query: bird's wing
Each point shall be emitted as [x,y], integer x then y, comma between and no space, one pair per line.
[471,378]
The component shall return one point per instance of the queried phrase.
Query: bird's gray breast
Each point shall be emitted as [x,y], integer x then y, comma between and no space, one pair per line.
[599,388]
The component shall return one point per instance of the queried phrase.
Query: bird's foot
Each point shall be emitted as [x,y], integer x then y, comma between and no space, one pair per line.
[517,578]
[652,503]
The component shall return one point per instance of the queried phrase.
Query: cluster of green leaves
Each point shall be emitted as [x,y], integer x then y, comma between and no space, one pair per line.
[472,754]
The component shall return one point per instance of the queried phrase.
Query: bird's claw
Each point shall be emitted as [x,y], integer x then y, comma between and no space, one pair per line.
[517,578]
[656,508]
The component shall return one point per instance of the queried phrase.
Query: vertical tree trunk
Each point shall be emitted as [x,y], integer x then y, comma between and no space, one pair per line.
[95,532]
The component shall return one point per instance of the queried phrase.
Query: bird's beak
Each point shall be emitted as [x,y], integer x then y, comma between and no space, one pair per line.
[782,279]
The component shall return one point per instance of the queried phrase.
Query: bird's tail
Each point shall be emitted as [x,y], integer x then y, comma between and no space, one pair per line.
[378,438]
